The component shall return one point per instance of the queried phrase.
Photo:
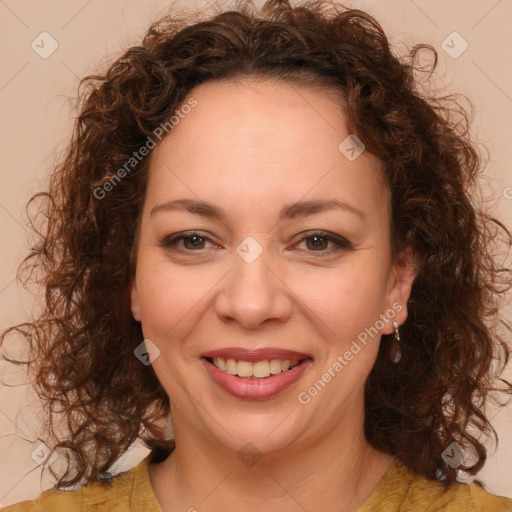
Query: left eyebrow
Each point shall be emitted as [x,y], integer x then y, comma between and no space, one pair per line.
[305,208]
[291,211]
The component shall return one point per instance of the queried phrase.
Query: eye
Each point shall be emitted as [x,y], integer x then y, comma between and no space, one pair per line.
[192,241]
[318,241]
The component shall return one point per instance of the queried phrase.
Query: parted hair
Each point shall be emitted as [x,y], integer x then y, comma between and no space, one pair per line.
[454,343]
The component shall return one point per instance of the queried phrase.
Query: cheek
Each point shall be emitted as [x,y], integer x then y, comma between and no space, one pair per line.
[347,299]
[340,301]
[169,295]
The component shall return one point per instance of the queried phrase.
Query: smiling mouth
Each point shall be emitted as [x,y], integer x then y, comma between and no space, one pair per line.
[256,370]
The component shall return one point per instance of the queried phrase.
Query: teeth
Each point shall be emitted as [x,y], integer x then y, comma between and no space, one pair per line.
[231,366]
[259,370]
[244,369]
[275,366]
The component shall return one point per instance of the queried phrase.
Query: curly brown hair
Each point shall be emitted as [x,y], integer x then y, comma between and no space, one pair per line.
[82,344]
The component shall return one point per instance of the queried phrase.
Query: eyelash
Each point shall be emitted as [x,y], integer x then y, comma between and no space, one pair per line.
[340,242]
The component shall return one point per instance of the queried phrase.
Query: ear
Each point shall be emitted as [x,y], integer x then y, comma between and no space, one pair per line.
[399,288]
[134,300]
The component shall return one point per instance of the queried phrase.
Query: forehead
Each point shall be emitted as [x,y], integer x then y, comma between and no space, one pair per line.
[258,114]
[249,140]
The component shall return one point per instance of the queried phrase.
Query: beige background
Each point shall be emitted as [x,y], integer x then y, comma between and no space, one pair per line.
[35,103]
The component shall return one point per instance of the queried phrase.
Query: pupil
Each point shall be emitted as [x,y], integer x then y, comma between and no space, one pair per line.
[194,240]
[317,241]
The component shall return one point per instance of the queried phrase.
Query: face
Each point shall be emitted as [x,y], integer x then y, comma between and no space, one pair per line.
[278,249]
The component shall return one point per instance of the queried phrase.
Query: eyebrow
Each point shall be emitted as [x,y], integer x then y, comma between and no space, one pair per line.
[290,211]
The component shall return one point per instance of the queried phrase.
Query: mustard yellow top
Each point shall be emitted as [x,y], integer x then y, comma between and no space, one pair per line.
[398,491]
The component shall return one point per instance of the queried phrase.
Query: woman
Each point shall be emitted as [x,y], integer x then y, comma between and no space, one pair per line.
[262,229]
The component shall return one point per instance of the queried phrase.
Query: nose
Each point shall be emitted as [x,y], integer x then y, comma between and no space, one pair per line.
[254,293]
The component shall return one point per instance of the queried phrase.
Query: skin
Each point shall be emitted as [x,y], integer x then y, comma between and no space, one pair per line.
[251,147]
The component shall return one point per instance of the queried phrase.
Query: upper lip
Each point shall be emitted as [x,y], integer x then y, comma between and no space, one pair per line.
[255,355]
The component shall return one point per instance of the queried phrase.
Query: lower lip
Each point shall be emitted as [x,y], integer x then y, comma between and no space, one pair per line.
[256,389]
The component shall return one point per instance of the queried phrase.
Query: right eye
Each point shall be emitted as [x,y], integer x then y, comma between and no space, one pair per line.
[192,242]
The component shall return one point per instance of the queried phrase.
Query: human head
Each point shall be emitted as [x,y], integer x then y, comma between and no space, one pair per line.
[430,166]
[253,149]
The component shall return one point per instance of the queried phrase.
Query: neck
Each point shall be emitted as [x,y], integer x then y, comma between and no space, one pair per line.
[338,472]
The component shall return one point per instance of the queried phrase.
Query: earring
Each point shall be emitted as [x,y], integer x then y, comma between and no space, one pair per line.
[396,353]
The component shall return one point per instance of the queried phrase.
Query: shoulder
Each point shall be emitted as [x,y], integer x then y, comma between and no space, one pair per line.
[432,496]
[115,495]
[401,490]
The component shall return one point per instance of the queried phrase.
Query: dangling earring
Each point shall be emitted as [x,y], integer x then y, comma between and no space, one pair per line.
[395,352]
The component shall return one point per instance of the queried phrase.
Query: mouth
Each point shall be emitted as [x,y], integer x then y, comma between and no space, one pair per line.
[255,380]
[254,370]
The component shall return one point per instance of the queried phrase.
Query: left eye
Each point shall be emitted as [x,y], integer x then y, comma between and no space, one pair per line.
[320,240]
